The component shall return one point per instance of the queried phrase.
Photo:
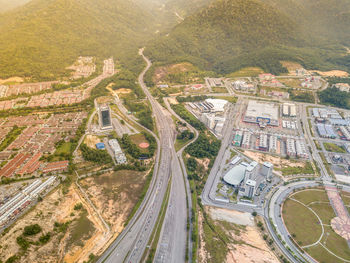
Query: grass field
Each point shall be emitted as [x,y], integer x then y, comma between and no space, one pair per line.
[301,222]
[82,229]
[219,90]
[290,170]
[332,147]
[179,143]
[291,83]
[246,72]
[137,139]
[310,196]
[63,149]
[229,99]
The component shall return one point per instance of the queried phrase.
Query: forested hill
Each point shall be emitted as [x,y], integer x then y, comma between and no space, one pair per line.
[327,19]
[230,34]
[43,37]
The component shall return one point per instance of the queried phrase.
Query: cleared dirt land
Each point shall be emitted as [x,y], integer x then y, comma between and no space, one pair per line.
[69,229]
[307,215]
[114,195]
[76,232]
[232,237]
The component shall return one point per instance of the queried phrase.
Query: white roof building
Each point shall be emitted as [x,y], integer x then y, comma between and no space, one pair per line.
[218,104]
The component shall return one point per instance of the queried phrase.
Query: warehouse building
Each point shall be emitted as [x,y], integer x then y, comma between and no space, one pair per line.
[326,131]
[345,132]
[262,113]
[325,113]
[339,122]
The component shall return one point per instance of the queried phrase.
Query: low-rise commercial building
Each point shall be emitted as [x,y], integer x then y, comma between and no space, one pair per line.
[237,140]
[246,140]
[118,153]
[263,142]
[273,144]
[301,150]
[290,144]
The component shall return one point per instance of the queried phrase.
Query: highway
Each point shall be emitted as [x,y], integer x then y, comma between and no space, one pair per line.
[132,242]
[183,167]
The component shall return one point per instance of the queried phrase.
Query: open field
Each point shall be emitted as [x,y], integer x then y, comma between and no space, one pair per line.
[71,230]
[302,224]
[231,236]
[219,90]
[281,165]
[305,168]
[299,214]
[246,72]
[115,194]
[291,83]
[332,73]
[291,66]
[332,147]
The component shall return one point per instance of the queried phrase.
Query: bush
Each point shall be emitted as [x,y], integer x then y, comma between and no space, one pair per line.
[22,242]
[45,238]
[11,259]
[78,206]
[31,230]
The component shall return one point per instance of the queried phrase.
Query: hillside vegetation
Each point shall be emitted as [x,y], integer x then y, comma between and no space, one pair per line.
[231,34]
[43,37]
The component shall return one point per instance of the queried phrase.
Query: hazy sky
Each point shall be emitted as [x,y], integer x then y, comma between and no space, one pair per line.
[6,5]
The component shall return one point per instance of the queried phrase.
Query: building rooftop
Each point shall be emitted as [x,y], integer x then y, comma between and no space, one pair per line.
[268,164]
[218,104]
[251,182]
[236,175]
[257,109]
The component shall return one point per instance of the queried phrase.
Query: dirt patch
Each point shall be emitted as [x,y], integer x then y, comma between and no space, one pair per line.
[204,162]
[161,72]
[91,140]
[114,196]
[123,91]
[12,79]
[56,207]
[231,216]
[255,248]
[277,162]
[332,73]
[202,253]
[173,101]
[291,66]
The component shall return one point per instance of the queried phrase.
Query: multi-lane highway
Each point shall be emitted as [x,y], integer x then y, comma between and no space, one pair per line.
[132,242]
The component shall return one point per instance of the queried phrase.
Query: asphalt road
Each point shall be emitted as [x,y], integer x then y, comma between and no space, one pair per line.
[131,243]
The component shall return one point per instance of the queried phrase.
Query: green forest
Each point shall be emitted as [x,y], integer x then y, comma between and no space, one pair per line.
[242,33]
[42,38]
